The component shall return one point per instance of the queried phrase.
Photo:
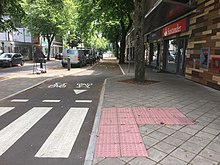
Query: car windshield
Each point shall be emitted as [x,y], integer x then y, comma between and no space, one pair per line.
[6,55]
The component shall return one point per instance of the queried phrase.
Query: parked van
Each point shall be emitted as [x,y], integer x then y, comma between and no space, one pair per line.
[77,57]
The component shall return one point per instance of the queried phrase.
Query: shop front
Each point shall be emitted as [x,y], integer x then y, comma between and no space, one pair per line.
[153,49]
[175,45]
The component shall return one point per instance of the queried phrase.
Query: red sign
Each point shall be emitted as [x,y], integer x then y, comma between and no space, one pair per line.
[177,27]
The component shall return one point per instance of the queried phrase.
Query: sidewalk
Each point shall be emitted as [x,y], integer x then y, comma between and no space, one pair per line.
[170,143]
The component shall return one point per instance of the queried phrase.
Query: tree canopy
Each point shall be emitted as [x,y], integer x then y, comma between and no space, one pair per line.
[10,12]
[48,18]
[112,18]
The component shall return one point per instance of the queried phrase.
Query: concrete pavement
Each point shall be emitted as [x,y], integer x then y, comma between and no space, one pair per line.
[166,144]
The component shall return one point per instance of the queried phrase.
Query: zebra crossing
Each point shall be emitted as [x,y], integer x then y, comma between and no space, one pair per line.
[58,144]
[10,134]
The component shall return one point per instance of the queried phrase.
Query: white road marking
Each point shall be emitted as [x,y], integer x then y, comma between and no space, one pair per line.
[85,85]
[20,100]
[51,101]
[83,101]
[4,110]
[60,142]
[10,134]
[78,91]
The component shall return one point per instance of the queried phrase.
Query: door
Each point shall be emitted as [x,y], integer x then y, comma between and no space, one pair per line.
[181,56]
[175,50]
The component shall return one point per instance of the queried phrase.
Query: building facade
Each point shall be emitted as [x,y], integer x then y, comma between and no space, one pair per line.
[183,37]
[21,41]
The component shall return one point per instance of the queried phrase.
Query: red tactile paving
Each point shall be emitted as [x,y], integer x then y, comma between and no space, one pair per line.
[128,138]
[107,150]
[119,135]
[127,121]
[108,121]
[159,116]
[133,150]
[108,138]
[106,129]
[128,128]
[125,115]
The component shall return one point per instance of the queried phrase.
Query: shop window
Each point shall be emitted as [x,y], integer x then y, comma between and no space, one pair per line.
[154,54]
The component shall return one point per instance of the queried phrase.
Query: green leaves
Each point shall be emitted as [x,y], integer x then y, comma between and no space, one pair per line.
[12,12]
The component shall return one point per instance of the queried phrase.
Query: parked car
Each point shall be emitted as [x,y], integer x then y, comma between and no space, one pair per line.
[59,56]
[90,57]
[77,57]
[11,59]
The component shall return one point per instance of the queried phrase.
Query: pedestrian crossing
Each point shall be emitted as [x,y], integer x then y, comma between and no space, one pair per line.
[4,110]
[61,140]
[10,134]
[59,143]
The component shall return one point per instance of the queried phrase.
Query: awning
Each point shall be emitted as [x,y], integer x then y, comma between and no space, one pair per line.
[163,12]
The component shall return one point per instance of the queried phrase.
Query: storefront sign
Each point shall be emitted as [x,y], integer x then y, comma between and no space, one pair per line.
[177,27]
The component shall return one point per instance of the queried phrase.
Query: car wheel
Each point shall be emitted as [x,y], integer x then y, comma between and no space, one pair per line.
[22,63]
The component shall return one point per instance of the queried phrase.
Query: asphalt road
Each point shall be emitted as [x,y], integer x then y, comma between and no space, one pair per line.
[51,123]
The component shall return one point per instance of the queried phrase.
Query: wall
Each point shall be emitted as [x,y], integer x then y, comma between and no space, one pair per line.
[204,32]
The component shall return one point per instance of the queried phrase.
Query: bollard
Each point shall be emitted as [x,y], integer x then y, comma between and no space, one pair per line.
[68,63]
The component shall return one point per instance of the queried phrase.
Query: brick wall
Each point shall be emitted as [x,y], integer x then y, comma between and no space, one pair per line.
[204,32]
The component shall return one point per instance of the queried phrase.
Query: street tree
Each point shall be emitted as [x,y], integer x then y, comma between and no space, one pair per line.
[10,12]
[49,18]
[117,13]
[112,18]
[139,47]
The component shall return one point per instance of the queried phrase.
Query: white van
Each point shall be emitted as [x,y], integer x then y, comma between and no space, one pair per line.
[77,57]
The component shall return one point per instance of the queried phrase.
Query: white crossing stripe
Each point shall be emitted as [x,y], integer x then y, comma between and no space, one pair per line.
[20,100]
[83,101]
[10,134]
[4,110]
[60,142]
[51,101]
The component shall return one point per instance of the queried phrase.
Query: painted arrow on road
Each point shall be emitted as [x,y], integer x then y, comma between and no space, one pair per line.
[78,91]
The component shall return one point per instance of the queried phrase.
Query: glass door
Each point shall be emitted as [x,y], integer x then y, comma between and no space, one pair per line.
[175,55]
[181,58]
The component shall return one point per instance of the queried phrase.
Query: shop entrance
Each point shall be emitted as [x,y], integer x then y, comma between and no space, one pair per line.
[154,54]
[175,50]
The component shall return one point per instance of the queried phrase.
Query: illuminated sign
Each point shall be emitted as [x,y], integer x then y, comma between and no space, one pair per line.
[177,27]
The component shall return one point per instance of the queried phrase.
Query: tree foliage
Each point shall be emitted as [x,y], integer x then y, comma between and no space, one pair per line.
[10,11]
[49,18]
[112,18]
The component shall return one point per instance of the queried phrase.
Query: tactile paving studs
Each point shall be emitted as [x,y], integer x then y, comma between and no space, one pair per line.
[133,150]
[107,150]
[119,135]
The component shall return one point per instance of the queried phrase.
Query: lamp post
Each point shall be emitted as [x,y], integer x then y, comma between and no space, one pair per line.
[31,28]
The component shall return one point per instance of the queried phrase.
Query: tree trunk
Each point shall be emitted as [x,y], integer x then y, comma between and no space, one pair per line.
[122,48]
[124,32]
[139,33]
[116,49]
[49,40]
